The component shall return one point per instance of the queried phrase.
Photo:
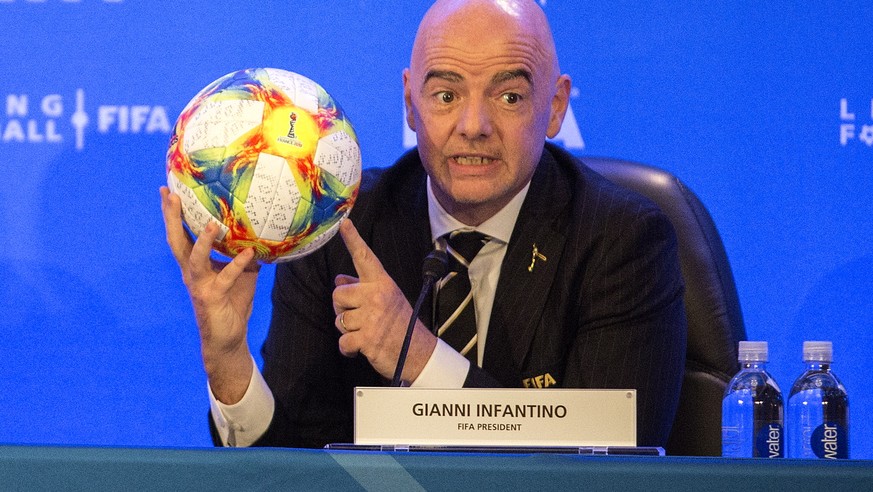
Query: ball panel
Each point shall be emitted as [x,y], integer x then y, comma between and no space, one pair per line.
[302,91]
[195,214]
[345,126]
[218,123]
[317,242]
[285,203]
[339,155]
[262,190]
[208,165]
[301,223]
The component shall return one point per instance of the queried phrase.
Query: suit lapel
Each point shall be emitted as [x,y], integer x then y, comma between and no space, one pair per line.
[405,241]
[525,282]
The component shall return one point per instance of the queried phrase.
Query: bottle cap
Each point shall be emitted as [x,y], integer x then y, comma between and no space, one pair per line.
[818,352]
[753,352]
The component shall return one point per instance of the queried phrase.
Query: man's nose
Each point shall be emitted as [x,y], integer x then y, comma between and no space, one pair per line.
[475,120]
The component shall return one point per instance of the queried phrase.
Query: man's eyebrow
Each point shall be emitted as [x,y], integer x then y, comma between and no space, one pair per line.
[508,75]
[446,75]
[498,78]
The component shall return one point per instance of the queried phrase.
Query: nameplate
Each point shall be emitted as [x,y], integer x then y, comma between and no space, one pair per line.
[495,417]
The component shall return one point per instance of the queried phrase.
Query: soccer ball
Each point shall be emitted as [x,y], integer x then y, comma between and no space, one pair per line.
[271,158]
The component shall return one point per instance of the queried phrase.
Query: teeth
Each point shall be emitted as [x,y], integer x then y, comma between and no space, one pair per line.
[472,161]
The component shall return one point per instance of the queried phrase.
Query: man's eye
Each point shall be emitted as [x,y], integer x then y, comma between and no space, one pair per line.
[511,98]
[446,97]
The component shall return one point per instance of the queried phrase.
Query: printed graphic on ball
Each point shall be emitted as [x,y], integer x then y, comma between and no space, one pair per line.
[270,157]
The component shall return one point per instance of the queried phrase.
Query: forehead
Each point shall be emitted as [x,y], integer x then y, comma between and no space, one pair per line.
[483,42]
[481,61]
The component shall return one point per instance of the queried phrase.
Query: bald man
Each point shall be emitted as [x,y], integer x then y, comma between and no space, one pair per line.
[578,285]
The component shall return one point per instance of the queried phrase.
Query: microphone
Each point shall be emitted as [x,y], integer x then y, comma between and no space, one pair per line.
[435,266]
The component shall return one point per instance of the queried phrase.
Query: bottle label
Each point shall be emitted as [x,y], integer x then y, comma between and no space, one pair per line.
[830,441]
[769,443]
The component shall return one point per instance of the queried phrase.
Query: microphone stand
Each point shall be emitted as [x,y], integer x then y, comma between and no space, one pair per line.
[435,266]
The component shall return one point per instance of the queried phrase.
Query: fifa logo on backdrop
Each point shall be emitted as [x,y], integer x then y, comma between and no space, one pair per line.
[850,129]
[40,119]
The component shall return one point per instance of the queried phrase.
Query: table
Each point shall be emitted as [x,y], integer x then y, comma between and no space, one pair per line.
[130,469]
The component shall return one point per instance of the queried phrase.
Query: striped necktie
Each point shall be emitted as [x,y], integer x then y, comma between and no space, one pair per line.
[455,314]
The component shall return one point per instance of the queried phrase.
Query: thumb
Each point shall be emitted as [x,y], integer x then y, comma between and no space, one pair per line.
[369,267]
[344,280]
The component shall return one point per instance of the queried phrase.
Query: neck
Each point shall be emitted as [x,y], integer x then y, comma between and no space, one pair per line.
[471,214]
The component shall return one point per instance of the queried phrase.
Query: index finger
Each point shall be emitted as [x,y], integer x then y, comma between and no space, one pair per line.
[178,239]
[366,263]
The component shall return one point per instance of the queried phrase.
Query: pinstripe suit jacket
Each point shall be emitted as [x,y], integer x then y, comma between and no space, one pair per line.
[604,310]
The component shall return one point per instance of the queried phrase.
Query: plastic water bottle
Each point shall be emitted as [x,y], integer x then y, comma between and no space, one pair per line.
[818,408]
[751,411]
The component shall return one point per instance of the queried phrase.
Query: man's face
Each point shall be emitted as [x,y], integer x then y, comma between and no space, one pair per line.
[481,96]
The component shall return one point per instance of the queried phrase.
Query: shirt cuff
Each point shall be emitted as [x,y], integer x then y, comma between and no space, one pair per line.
[241,424]
[446,368]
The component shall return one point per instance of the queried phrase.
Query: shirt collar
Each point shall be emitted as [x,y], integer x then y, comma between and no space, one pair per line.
[497,227]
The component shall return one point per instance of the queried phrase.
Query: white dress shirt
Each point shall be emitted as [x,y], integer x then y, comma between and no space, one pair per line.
[242,423]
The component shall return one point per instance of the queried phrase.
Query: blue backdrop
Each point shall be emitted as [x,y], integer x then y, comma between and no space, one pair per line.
[765,110]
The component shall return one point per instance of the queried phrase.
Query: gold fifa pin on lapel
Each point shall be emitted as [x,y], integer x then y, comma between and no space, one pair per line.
[535,255]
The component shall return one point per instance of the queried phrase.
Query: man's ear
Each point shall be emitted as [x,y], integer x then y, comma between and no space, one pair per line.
[560,103]
[407,99]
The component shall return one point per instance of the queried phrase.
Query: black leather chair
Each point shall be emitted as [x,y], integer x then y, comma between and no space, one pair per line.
[715,321]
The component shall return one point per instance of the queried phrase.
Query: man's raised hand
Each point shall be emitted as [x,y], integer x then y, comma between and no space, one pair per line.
[222,295]
[372,313]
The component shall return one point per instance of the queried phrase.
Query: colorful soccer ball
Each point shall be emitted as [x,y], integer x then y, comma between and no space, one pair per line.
[270,157]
